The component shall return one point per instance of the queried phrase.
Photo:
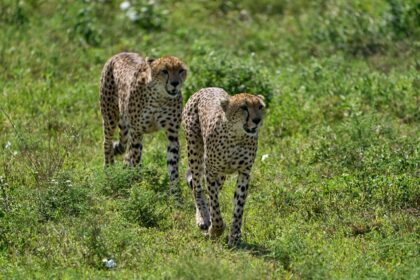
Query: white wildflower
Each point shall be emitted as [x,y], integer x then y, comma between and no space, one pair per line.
[124,5]
[109,263]
[8,145]
[264,157]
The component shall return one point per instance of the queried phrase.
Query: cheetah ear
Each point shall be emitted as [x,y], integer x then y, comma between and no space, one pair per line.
[150,60]
[224,103]
[262,99]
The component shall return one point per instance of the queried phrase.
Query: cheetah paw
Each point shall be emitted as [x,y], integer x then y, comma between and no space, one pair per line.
[202,222]
[234,240]
[216,231]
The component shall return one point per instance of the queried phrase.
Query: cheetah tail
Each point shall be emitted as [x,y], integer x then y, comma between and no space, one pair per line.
[144,74]
[188,177]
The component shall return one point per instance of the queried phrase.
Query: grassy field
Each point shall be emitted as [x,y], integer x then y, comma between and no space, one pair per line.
[337,195]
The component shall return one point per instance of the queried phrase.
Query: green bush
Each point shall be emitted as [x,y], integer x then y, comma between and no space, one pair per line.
[20,222]
[352,27]
[404,18]
[361,27]
[142,207]
[147,14]
[63,197]
[17,12]
[117,180]
[361,143]
[85,26]
[212,69]
[267,7]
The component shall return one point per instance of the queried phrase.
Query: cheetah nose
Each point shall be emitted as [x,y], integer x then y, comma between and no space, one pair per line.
[256,120]
[174,83]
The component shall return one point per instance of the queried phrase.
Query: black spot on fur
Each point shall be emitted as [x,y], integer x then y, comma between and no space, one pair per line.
[172,138]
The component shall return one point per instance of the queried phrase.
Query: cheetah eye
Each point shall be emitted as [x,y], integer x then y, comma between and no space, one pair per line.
[260,107]
[164,71]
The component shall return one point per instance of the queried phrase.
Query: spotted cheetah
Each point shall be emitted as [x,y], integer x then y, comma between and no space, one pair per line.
[141,96]
[222,138]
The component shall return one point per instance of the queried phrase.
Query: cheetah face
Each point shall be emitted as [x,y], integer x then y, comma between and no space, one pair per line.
[170,73]
[246,112]
[253,111]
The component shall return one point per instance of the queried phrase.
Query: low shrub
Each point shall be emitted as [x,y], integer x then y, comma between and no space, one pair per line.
[117,180]
[212,69]
[62,197]
[142,207]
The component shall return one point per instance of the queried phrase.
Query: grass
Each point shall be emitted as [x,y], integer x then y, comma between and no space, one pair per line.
[336,196]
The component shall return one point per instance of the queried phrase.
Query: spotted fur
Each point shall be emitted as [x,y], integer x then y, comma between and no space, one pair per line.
[222,138]
[142,96]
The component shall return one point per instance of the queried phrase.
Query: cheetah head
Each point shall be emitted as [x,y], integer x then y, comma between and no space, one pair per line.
[169,73]
[245,111]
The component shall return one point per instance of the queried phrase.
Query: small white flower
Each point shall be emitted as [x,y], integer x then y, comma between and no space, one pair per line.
[109,263]
[264,157]
[124,5]
[8,145]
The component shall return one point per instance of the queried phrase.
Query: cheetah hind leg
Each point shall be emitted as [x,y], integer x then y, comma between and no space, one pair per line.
[119,147]
[202,219]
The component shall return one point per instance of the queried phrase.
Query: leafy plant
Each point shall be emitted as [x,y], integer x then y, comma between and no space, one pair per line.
[117,180]
[148,14]
[86,27]
[213,69]
[142,207]
[62,198]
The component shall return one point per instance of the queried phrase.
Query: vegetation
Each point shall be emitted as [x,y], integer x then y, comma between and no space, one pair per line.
[335,190]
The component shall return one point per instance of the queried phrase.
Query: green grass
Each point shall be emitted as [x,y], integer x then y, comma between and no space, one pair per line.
[337,197]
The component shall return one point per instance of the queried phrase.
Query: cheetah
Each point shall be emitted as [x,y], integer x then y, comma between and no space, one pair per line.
[142,96]
[222,138]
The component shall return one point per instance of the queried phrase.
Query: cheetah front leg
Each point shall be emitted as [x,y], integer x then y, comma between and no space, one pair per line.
[172,159]
[133,156]
[238,204]
[217,225]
